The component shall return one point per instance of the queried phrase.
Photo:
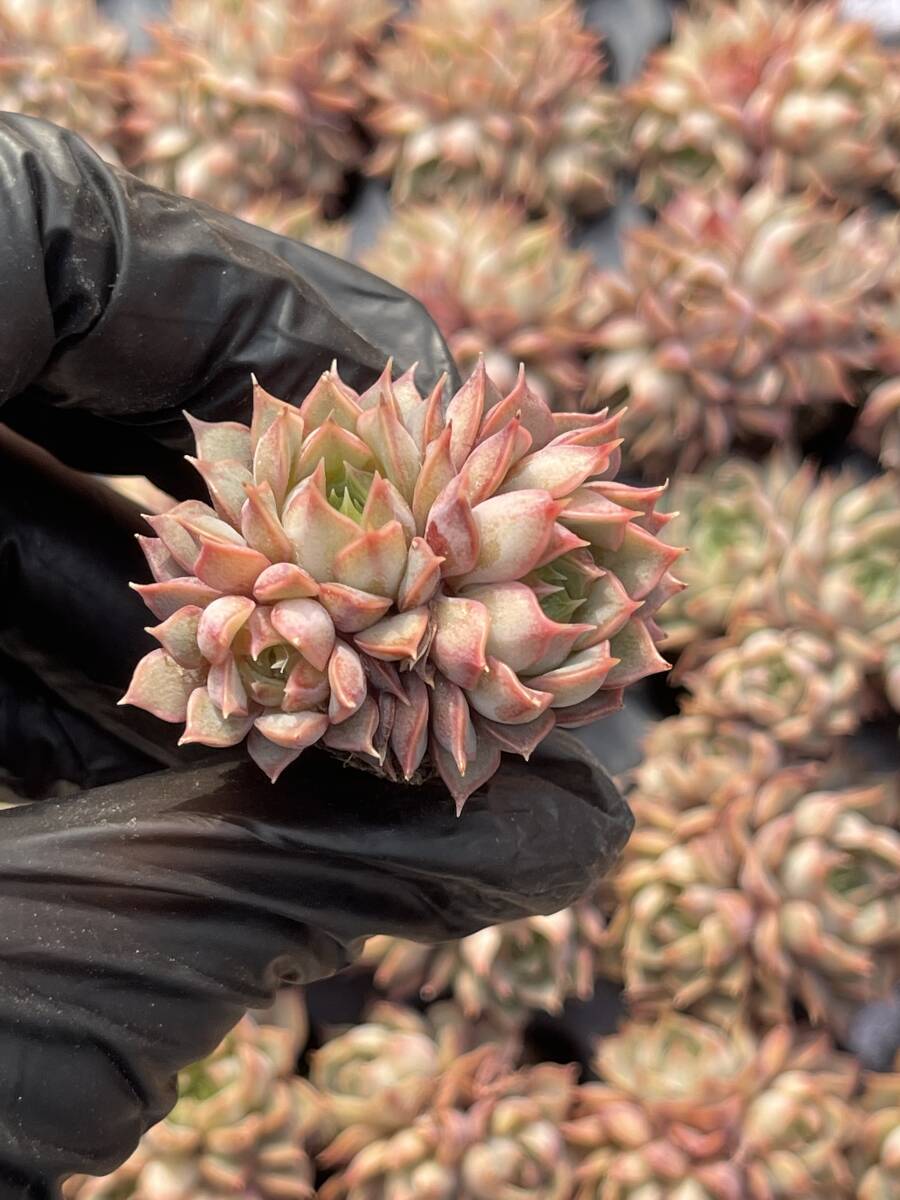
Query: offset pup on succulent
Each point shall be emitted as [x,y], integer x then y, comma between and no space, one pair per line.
[418,585]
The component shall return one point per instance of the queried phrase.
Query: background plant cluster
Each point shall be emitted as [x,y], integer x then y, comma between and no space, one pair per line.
[708,235]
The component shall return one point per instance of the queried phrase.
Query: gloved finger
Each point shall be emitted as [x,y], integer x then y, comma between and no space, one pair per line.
[138,922]
[49,746]
[133,305]
[71,629]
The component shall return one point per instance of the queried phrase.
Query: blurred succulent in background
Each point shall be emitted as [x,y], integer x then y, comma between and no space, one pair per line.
[684,1109]
[235,101]
[735,518]
[377,1077]
[749,886]
[878,427]
[820,866]
[838,574]
[680,935]
[736,319]
[687,759]
[793,551]
[763,87]
[496,98]
[499,286]
[400,579]
[502,971]
[492,1132]
[59,60]
[791,682]
[876,1150]
[301,220]
[240,1128]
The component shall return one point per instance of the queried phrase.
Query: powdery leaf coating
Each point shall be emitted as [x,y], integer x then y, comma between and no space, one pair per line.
[401,580]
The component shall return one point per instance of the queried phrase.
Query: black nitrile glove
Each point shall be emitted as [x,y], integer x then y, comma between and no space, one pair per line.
[139,920]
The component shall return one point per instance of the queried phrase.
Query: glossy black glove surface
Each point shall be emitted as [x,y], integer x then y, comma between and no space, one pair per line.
[127,305]
[138,920]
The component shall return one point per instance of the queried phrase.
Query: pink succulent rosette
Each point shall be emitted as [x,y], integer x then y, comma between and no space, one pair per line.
[417,583]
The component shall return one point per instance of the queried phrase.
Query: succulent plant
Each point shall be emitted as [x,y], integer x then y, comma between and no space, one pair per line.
[681,933]
[878,427]
[61,61]
[820,868]
[688,759]
[377,1077]
[791,682]
[240,1129]
[749,886]
[416,586]
[516,1146]
[876,1152]
[735,318]
[495,1133]
[838,574]
[495,98]
[301,220]
[791,550]
[760,87]
[498,286]
[736,518]
[502,971]
[232,102]
[690,1112]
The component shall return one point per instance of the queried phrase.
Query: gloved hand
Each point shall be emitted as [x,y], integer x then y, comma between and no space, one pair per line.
[140,919]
